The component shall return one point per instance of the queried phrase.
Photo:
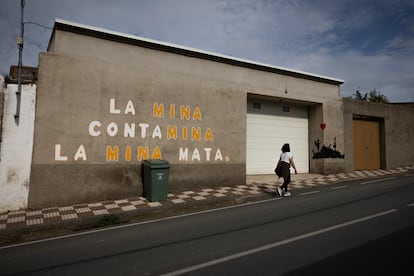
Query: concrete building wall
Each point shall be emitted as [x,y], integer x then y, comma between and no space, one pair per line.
[85,98]
[190,111]
[396,131]
[106,101]
[333,136]
[16,147]
[2,88]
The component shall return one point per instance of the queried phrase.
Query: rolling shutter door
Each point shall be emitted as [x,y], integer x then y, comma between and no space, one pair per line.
[266,133]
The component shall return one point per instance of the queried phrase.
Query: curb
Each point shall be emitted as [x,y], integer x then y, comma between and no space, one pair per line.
[86,216]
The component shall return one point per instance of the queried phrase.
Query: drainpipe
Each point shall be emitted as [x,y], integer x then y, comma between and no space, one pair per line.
[19,72]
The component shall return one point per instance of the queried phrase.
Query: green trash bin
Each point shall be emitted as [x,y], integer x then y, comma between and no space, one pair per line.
[156,173]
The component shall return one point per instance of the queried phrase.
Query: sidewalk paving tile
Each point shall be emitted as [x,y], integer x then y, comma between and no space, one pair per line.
[22,218]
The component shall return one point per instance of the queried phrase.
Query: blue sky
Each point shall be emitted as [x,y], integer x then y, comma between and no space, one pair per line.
[368,44]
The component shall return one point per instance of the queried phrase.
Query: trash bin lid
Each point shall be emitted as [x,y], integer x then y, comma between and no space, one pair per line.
[156,163]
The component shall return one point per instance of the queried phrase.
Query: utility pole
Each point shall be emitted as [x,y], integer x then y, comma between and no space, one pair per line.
[19,72]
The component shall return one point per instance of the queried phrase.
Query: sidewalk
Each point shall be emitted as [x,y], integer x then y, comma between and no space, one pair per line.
[256,185]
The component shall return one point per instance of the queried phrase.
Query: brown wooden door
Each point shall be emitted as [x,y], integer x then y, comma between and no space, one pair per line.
[366,145]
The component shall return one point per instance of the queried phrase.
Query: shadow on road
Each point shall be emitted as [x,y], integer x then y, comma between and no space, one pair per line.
[390,255]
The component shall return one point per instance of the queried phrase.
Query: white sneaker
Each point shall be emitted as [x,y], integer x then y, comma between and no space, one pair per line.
[287,194]
[279,191]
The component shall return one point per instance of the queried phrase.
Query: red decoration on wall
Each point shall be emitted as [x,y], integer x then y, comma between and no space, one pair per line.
[323,126]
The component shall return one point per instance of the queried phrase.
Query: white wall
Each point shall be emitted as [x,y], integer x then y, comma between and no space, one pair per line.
[16,147]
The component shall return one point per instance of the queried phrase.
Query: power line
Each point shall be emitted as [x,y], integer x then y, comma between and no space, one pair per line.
[37,24]
[20,42]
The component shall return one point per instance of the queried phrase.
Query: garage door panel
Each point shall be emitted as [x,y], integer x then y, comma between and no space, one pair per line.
[258,125]
[265,136]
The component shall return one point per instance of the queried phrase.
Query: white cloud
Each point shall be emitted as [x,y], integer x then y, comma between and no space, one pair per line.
[400,45]
[321,37]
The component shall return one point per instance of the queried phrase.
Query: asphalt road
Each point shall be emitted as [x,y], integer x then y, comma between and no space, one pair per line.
[350,227]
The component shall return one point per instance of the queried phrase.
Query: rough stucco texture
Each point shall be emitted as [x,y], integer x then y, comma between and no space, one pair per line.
[84,151]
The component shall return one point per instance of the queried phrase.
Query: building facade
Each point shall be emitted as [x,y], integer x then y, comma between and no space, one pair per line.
[106,101]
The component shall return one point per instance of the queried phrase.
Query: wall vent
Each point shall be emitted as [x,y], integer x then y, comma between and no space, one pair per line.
[286,108]
[257,105]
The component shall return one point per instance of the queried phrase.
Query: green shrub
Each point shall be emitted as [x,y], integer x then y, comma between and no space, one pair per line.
[108,220]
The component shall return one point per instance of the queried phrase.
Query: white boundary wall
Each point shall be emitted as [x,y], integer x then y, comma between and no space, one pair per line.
[16,147]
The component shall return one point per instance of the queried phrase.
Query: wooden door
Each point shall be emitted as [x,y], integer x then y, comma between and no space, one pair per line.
[366,140]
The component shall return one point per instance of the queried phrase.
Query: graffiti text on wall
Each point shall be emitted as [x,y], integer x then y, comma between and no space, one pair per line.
[145,131]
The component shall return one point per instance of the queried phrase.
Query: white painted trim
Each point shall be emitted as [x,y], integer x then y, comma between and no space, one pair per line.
[16,148]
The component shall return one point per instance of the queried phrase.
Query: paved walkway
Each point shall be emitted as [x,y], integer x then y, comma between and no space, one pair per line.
[255,185]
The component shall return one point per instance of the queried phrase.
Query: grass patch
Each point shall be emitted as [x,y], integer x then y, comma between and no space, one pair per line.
[108,220]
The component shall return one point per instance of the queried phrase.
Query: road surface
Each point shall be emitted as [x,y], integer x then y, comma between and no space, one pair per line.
[350,227]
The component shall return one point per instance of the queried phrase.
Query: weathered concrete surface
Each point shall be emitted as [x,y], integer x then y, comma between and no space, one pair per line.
[104,105]
[396,132]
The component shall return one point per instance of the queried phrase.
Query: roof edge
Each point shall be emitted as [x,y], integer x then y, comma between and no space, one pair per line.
[186,51]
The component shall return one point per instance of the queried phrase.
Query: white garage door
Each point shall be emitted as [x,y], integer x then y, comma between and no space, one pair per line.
[266,133]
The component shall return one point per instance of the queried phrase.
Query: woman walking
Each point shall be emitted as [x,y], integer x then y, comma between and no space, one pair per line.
[283,169]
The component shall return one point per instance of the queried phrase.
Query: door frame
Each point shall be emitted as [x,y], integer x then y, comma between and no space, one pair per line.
[380,121]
